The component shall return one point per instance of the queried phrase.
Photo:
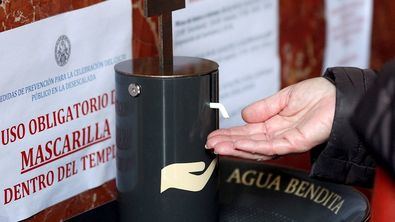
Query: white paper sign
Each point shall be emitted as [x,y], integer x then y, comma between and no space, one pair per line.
[57,106]
[348,33]
[242,36]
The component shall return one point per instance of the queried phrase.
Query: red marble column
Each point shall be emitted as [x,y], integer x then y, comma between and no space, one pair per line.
[145,32]
[383,197]
[16,13]
[302,39]
[383,33]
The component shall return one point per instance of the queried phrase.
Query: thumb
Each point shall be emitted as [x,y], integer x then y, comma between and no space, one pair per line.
[265,109]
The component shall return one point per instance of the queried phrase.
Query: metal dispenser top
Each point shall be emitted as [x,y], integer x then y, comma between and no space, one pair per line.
[182,67]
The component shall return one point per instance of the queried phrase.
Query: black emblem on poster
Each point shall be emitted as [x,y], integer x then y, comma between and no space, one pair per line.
[62,50]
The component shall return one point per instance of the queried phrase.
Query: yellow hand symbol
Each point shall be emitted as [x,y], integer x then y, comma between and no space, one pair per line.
[179,176]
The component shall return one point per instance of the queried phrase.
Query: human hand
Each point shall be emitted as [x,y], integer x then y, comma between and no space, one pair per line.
[294,120]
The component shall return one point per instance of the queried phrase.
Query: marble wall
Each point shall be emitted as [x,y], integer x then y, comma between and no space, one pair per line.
[383,44]
[302,40]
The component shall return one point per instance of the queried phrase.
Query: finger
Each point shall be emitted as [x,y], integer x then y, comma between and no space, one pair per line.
[248,129]
[266,147]
[257,131]
[227,135]
[264,109]
[213,141]
[228,149]
[249,156]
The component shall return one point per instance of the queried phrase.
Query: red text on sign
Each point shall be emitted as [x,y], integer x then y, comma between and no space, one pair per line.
[13,134]
[67,171]
[28,187]
[97,158]
[43,154]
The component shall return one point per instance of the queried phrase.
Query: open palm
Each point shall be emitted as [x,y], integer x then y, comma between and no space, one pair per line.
[294,120]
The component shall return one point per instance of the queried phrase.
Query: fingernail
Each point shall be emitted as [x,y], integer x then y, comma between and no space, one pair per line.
[205,146]
[259,160]
[215,153]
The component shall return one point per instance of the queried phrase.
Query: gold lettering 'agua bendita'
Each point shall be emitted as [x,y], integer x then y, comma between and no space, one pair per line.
[255,178]
[297,187]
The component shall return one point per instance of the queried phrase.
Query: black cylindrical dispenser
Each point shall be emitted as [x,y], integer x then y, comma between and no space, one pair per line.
[164,173]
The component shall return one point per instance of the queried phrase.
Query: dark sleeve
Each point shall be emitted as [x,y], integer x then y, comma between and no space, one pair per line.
[374,119]
[344,159]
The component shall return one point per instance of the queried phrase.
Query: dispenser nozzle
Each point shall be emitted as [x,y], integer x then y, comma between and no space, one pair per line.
[221,109]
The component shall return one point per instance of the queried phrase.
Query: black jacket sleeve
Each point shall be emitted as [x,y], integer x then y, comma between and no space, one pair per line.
[344,159]
[374,118]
